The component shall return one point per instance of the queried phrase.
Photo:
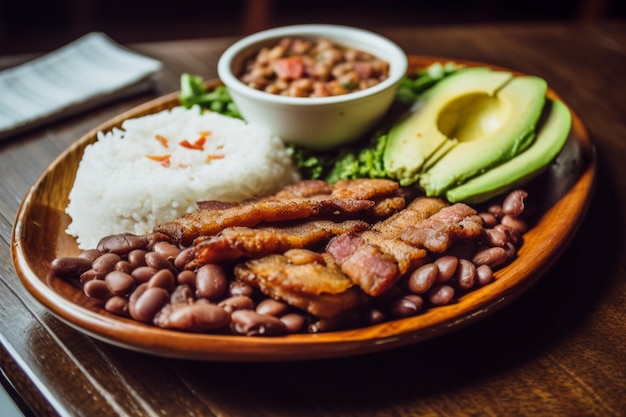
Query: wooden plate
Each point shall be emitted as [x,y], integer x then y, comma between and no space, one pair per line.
[38,237]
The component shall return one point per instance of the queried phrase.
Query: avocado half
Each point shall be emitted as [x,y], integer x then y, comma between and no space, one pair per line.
[551,137]
[417,140]
[467,124]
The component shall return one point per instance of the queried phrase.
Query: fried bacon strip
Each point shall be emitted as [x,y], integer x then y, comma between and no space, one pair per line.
[190,226]
[365,264]
[305,279]
[301,200]
[237,242]
[363,188]
[416,211]
[304,189]
[439,231]
[406,256]
[376,259]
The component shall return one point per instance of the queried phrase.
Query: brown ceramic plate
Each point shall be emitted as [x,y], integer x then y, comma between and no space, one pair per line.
[38,237]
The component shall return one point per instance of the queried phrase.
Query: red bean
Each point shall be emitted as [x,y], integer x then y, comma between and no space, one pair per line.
[514,223]
[187,277]
[157,261]
[184,257]
[97,289]
[375,316]
[496,237]
[90,275]
[496,211]
[293,322]
[166,250]
[465,274]
[512,235]
[511,250]
[423,278]
[272,307]
[106,263]
[407,306]
[117,305]
[489,220]
[144,273]
[122,243]
[90,254]
[251,323]
[148,301]
[440,295]
[199,316]
[211,282]
[493,257]
[70,267]
[484,275]
[137,257]
[163,279]
[447,266]
[124,266]
[119,283]
[237,302]
[513,204]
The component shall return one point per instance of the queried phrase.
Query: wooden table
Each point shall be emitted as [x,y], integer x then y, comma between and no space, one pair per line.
[559,350]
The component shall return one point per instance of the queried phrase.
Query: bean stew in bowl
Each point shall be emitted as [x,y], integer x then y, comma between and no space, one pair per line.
[319,86]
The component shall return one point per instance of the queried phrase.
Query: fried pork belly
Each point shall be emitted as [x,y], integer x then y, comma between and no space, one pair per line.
[418,210]
[386,207]
[304,189]
[439,231]
[406,256]
[190,226]
[236,242]
[304,199]
[363,188]
[376,259]
[308,280]
[215,205]
[365,264]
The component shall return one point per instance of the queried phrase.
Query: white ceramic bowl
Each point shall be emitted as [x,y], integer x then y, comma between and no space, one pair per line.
[315,122]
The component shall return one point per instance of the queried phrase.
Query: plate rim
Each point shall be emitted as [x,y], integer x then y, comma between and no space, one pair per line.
[124,332]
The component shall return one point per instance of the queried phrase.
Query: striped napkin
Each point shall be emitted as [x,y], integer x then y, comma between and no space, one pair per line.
[87,72]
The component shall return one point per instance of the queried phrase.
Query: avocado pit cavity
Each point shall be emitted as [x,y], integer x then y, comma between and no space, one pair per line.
[472,116]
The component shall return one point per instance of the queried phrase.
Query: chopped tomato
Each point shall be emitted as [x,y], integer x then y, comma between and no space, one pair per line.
[364,69]
[197,145]
[162,140]
[290,68]
[163,159]
[209,158]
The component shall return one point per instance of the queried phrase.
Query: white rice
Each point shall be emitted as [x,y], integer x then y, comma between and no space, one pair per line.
[121,186]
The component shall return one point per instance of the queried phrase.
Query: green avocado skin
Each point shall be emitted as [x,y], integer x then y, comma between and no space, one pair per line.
[551,137]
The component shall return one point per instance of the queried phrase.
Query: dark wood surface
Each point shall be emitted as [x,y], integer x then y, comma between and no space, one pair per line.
[559,350]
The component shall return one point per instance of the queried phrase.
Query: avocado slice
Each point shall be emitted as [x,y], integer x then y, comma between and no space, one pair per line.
[491,128]
[551,137]
[417,137]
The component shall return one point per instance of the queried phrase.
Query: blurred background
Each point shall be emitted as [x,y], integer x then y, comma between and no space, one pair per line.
[41,25]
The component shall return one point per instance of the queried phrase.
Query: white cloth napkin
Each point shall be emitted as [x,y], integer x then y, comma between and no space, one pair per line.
[80,75]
